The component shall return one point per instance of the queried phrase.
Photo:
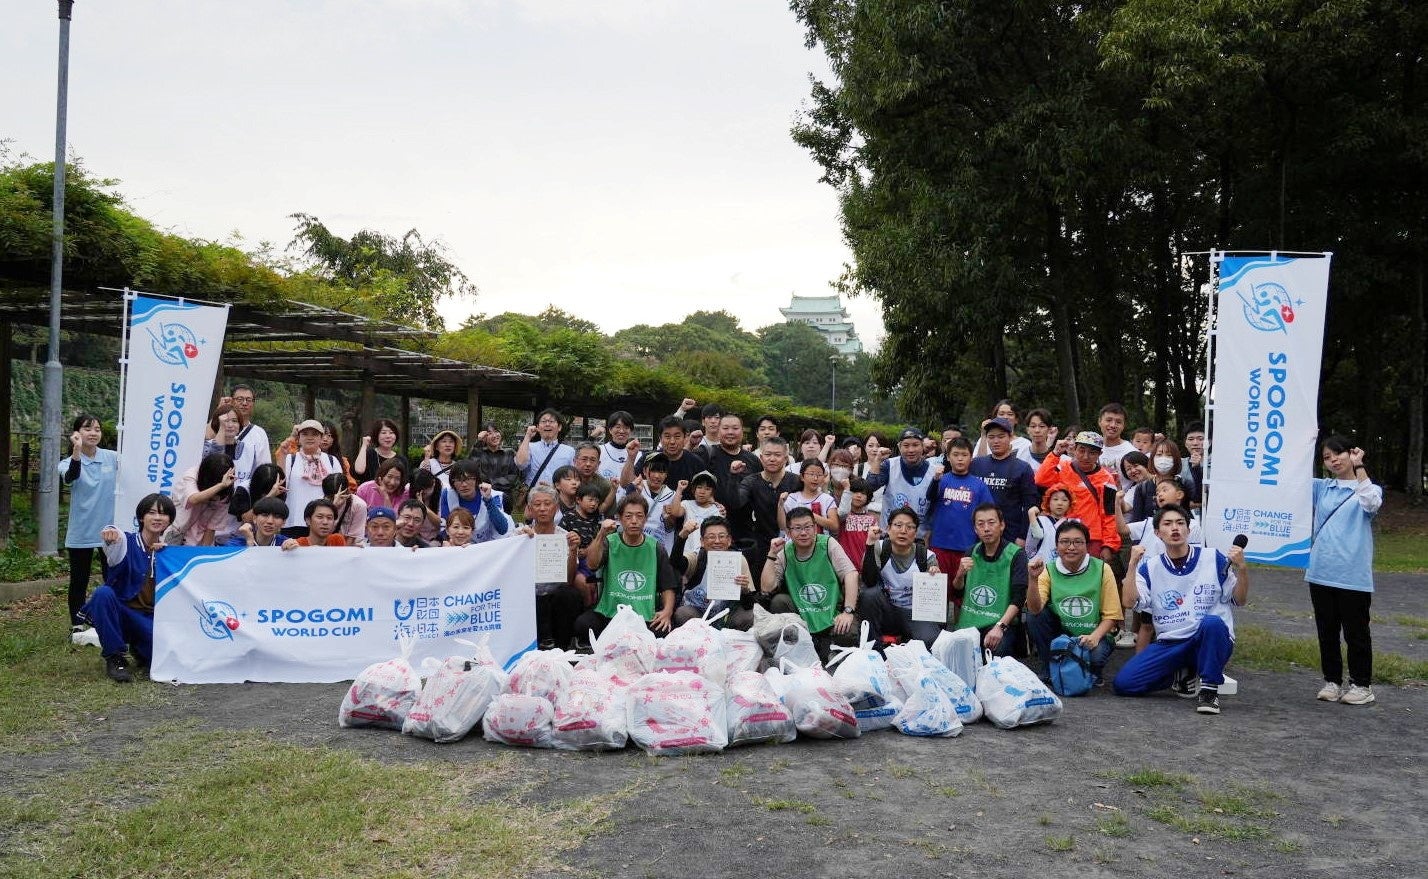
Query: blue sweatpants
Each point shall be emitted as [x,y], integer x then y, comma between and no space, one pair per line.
[1154,668]
[120,627]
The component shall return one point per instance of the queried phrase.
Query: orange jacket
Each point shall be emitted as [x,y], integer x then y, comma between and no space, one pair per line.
[1087,506]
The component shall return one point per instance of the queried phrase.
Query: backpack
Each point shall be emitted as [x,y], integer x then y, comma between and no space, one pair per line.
[1070,666]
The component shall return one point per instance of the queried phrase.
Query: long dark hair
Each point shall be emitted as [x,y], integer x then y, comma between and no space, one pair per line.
[210,473]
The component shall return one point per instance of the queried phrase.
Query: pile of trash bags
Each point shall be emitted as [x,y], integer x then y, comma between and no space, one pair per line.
[699,690]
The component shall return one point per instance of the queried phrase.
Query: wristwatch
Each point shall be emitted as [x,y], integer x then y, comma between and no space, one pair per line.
[847,609]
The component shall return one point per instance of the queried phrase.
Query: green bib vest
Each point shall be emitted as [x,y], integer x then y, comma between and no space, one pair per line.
[813,585]
[631,577]
[1076,598]
[988,590]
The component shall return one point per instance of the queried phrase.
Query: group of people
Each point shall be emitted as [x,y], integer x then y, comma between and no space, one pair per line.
[1084,533]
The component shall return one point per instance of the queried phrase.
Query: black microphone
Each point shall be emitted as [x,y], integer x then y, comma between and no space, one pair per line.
[1241,541]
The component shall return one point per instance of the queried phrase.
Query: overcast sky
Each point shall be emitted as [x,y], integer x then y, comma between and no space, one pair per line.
[626,160]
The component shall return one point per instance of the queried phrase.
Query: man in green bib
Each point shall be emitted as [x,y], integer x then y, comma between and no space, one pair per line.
[992,580]
[821,582]
[1074,595]
[634,570]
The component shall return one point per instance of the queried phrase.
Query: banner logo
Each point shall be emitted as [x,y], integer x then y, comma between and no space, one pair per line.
[631,582]
[217,619]
[1269,307]
[983,596]
[1171,600]
[174,344]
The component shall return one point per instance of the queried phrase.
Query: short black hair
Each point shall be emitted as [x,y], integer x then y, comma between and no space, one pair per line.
[798,513]
[466,468]
[657,463]
[712,522]
[314,505]
[633,499]
[619,416]
[270,506]
[710,410]
[905,511]
[1073,525]
[561,472]
[669,421]
[959,442]
[988,507]
[1169,508]
[589,489]
[161,502]
[412,504]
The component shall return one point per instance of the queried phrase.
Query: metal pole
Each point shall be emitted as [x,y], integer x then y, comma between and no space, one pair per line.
[47,504]
[834,360]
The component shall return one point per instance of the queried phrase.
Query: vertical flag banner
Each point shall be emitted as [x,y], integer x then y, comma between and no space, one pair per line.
[319,614]
[1268,347]
[173,351]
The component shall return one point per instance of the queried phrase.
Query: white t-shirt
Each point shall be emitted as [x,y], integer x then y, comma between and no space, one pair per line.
[252,449]
[1111,459]
[697,514]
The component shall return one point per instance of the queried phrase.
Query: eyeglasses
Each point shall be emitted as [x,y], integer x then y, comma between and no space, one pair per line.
[802,529]
[1070,541]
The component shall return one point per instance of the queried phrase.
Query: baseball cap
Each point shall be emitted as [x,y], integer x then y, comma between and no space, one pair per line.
[381,513]
[703,476]
[910,433]
[310,424]
[999,424]
[1090,438]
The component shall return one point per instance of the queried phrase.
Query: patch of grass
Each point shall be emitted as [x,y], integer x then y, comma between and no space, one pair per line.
[817,821]
[18,565]
[1259,648]
[980,779]
[786,805]
[1333,820]
[1403,552]
[1061,843]
[1240,803]
[240,805]
[778,764]
[947,791]
[898,770]
[735,772]
[1288,846]
[1044,820]
[1411,621]
[1205,825]
[1114,825]
[1148,776]
[51,688]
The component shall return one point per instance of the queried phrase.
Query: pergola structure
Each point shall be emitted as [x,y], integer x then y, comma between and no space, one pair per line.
[339,351]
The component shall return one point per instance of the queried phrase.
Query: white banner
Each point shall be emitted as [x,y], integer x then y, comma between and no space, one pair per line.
[174,349]
[1265,424]
[322,614]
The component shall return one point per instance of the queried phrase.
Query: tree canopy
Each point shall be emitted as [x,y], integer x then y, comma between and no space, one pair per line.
[1025,186]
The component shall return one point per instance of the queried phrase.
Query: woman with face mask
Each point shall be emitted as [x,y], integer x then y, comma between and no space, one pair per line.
[1165,463]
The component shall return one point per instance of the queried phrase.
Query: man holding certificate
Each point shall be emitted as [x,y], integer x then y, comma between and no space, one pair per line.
[897,572]
[557,600]
[820,582]
[713,574]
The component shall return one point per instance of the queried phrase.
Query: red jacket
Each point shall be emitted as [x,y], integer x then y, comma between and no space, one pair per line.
[1086,505]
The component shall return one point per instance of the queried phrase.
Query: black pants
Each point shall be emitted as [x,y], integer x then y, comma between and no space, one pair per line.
[555,615]
[81,563]
[1347,611]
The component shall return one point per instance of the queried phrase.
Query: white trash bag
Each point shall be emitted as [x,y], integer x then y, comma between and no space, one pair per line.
[862,676]
[543,673]
[627,646]
[908,663]
[928,711]
[695,646]
[383,693]
[795,646]
[520,720]
[960,651]
[768,628]
[456,694]
[677,713]
[820,710]
[590,715]
[755,712]
[741,650]
[1012,695]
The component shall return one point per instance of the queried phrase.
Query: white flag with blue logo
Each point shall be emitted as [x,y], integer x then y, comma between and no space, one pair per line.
[173,351]
[1268,348]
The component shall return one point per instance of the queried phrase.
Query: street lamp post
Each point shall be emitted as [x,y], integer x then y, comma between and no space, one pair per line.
[833,359]
[47,508]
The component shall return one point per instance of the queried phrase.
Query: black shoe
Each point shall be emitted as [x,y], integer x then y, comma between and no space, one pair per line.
[116,669]
[1209,702]
[1186,684]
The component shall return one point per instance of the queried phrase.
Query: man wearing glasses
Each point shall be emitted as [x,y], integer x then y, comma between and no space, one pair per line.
[252,442]
[821,581]
[1075,595]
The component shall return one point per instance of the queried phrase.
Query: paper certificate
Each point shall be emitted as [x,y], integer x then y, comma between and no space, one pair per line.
[719,572]
[929,597]
[552,554]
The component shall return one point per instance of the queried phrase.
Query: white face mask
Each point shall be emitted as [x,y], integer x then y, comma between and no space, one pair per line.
[1163,463]
[840,474]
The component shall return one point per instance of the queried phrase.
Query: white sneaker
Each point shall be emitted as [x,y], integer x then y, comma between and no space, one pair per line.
[1125,639]
[84,636]
[1330,692]
[1356,695]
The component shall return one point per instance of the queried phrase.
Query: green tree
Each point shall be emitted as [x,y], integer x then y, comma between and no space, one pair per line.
[397,279]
